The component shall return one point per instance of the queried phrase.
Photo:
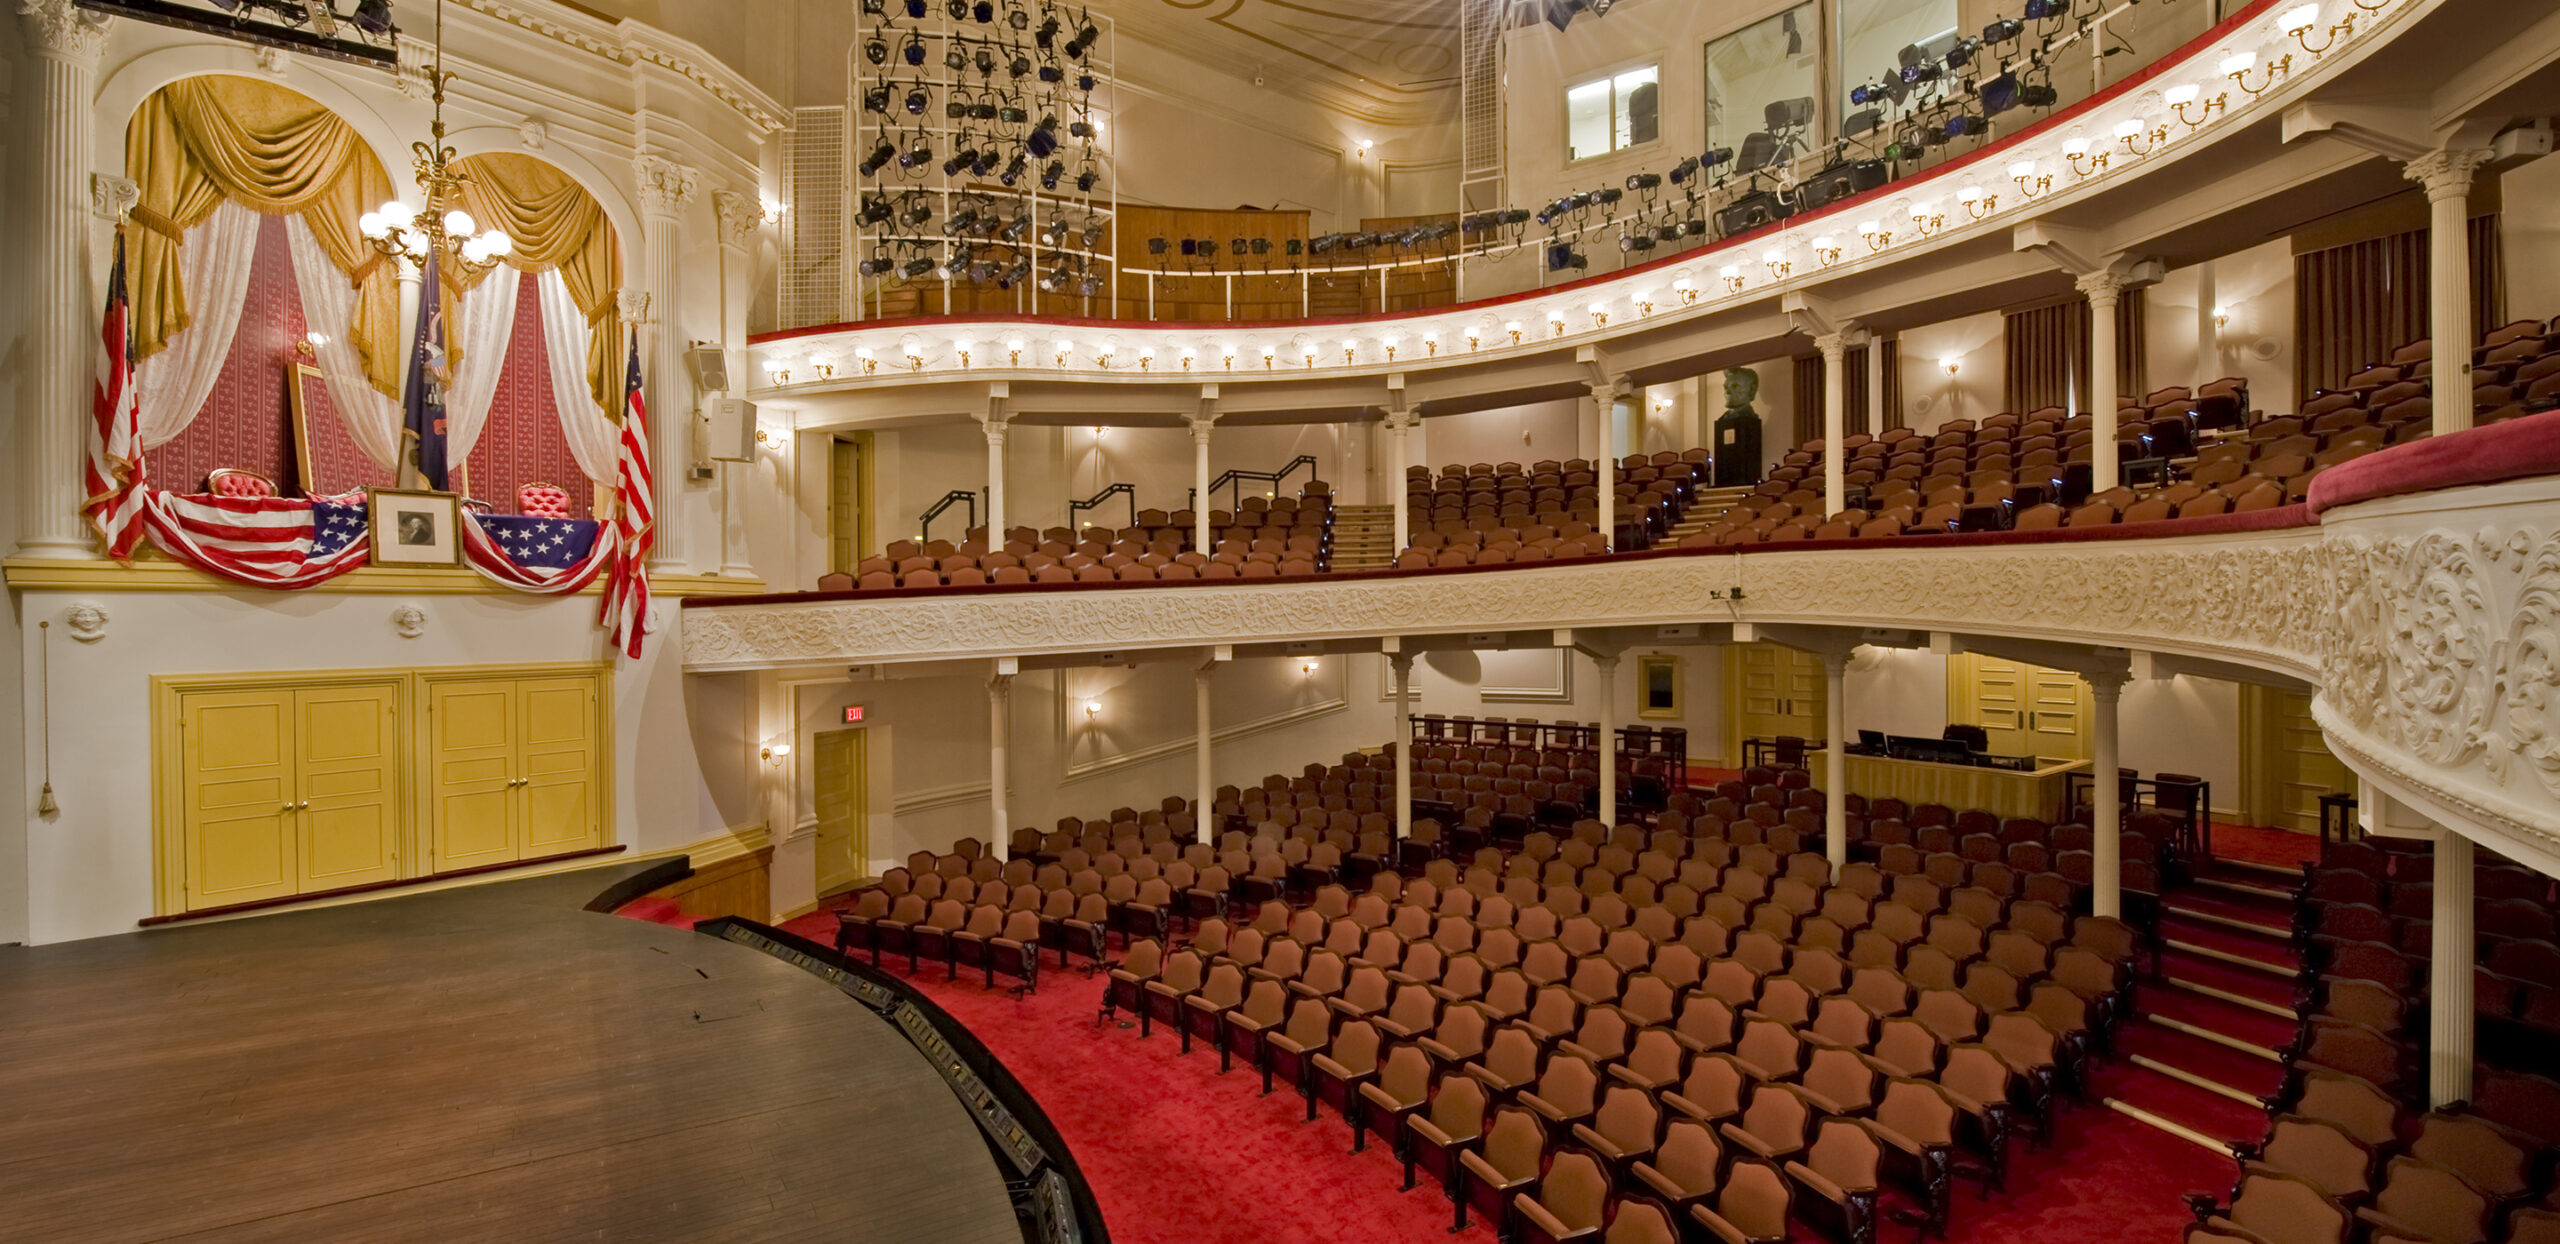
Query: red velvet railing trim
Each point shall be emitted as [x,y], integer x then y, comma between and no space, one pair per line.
[2514,449]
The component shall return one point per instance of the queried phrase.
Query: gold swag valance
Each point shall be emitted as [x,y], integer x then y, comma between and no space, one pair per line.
[555,223]
[200,140]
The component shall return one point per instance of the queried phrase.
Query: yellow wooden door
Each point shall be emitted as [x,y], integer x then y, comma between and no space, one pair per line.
[2024,710]
[844,506]
[239,797]
[348,766]
[557,769]
[1779,692]
[2304,768]
[472,743]
[838,799]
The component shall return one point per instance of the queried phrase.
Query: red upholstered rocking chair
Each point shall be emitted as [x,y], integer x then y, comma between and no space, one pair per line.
[540,500]
[239,482]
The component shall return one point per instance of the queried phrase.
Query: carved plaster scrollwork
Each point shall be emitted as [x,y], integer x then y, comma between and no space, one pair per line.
[664,185]
[112,197]
[64,31]
[738,214]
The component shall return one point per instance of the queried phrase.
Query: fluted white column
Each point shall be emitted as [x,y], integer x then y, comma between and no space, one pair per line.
[995,482]
[1875,385]
[2449,1011]
[2447,177]
[1835,760]
[1200,749]
[1200,541]
[2106,811]
[1604,463]
[738,217]
[1403,665]
[1399,424]
[2105,291]
[1608,705]
[62,317]
[1835,423]
[999,760]
[665,189]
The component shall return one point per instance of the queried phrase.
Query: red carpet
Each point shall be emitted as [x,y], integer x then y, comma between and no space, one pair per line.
[1178,1155]
[2264,846]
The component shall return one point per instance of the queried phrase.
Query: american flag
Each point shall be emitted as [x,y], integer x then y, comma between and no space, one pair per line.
[550,555]
[626,592]
[270,542]
[115,495]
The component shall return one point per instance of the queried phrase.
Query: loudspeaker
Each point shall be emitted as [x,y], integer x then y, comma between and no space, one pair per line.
[733,428]
[710,368]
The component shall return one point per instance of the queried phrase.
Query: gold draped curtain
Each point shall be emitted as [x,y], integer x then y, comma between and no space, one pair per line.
[555,223]
[200,140]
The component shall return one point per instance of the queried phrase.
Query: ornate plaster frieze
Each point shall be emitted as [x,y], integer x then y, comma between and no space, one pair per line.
[631,43]
[2238,79]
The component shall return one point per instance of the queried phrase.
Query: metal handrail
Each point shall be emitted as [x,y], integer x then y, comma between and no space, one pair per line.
[957,496]
[1095,501]
[1233,479]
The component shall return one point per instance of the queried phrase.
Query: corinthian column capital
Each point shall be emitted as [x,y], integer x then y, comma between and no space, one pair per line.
[64,31]
[2447,174]
[665,186]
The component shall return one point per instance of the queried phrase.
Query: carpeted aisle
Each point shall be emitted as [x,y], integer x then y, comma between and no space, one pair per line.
[1179,1155]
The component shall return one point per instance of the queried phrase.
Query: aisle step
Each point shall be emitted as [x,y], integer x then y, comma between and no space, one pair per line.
[2252,889]
[2215,1117]
[2230,946]
[2178,1130]
[2213,908]
[2246,1026]
[2243,1077]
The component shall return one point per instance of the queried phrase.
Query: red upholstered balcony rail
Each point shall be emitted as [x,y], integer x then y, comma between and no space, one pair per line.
[2513,449]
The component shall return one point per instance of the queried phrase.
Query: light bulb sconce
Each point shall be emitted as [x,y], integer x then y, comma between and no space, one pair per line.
[1876,235]
[1732,279]
[1102,358]
[1147,359]
[1977,204]
[1430,345]
[2151,139]
[1311,359]
[2182,98]
[826,371]
[2375,7]
[1826,250]
[1092,709]
[2030,182]
[1307,668]
[1599,316]
[915,362]
[869,363]
[1926,221]
[2077,152]
[1513,328]
[1951,365]
[1060,352]
[775,753]
[1644,303]
[1267,355]
[1350,352]
[2237,68]
[1013,350]
[1779,266]
[2307,19]
[1688,291]
[962,348]
[1555,324]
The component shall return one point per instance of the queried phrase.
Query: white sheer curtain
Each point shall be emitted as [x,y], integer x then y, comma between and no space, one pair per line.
[594,438]
[328,304]
[170,387]
[488,320]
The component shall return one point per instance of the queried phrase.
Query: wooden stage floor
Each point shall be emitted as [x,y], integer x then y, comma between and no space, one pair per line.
[488,1063]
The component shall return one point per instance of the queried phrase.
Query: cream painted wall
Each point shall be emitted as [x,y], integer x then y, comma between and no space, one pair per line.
[1521,434]
[1931,397]
[2528,235]
[2185,725]
[1898,691]
[2256,287]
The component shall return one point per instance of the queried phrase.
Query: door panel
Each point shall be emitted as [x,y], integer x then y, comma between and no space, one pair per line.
[1781,692]
[2304,767]
[844,506]
[2024,710]
[349,771]
[559,764]
[238,776]
[837,800]
[471,750]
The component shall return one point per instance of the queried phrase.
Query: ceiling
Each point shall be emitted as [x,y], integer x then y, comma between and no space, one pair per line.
[1389,62]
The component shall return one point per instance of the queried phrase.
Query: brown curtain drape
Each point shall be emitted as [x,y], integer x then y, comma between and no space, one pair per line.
[2132,341]
[1892,384]
[555,223]
[2354,304]
[1808,398]
[1855,389]
[200,140]
[2044,351]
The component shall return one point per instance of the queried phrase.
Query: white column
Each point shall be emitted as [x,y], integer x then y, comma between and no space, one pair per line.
[738,216]
[1403,665]
[1000,758]
[2208,333]
[1205,738]
[2105,290]
[2106,813]
[665,188]
[995,427]
[1604,401]
[2449,1010]
[1835,422]
[1200,484]
[62,317]
[1875,385]
[1835,760]
[1399,424]
[2447,177]
[1608,706]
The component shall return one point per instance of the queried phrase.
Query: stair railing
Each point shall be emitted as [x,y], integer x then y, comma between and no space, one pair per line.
[1234,480]
[1089,504]
[957,496]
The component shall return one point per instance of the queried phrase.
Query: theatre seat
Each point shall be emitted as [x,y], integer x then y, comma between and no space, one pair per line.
[239,482]
[538,500]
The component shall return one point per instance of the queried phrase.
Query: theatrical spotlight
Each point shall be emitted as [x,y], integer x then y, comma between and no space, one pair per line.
[915,267]
[1648,181]
[879,157]
[1563,255]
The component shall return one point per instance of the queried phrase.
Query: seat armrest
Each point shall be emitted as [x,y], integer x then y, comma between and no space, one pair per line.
[1825,1104]
[1548,1224]
[1887,1136]
[1660,1183]
[1724,1232]
[1569,1046]
[1815,1181]
[1553,1112]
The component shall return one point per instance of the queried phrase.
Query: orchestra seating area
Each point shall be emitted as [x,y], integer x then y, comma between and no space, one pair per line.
[1264,537]
[2350,1149]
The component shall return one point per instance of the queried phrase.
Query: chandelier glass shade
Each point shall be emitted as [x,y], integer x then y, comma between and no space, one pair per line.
[441,228]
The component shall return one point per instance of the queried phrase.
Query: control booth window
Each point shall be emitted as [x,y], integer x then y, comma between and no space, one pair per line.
[1613,113]
[1892,52]
[1769,62]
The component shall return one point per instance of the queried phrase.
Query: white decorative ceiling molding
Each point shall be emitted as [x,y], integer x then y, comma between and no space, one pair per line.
[629,42]
[2441,680]
[2241,77]
[1393,62]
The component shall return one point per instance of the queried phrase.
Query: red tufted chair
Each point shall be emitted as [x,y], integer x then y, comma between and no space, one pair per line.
[539,500]
[239,482]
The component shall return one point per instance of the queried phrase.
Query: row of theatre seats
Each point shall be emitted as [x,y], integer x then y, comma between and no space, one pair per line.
[1678,1025]
[1506,505]
[2348,1148]
[1264,538]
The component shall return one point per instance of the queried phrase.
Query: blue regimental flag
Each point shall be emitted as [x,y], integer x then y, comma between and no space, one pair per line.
[422,393]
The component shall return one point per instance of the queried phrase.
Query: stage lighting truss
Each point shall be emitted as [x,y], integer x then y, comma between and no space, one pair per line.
[985,154]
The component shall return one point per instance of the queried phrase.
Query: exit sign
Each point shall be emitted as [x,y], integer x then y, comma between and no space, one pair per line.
[852,714]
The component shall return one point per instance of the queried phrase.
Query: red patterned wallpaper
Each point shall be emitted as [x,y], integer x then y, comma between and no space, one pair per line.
[247,420]
[522,442]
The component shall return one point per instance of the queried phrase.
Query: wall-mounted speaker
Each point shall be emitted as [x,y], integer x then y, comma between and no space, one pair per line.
[732,430]
[710,368]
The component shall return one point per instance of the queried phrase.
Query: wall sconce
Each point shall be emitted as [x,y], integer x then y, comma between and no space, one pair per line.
[1388,343]
[1826,250]
[1350,351]
[1363,149]
[1192,352]
[1643,299]
[1555,322]
[776,752]
[1778,265]
[1146,358]
[1102,357]
[1599,315]
[771,210]
[1950,365]
[1877,238]
[2221,318]
[869,364]
[1926,218]
[1061,348]
[1513,328]
[1092,709]
[2128,131]
[825,369]
[1688,291]
[915,361]
[1013,349]
[1977,204]
[962,346]
[2300,20]
[1307,667]
[1732,278]
[1310,353]
[1267,353]
[1430,346]
[2237,66]
[778,442]
[2076,151]
[779,369]
[2180,98]
[2030,182]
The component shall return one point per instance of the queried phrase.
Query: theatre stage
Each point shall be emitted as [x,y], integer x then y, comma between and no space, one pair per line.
[478,1064]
